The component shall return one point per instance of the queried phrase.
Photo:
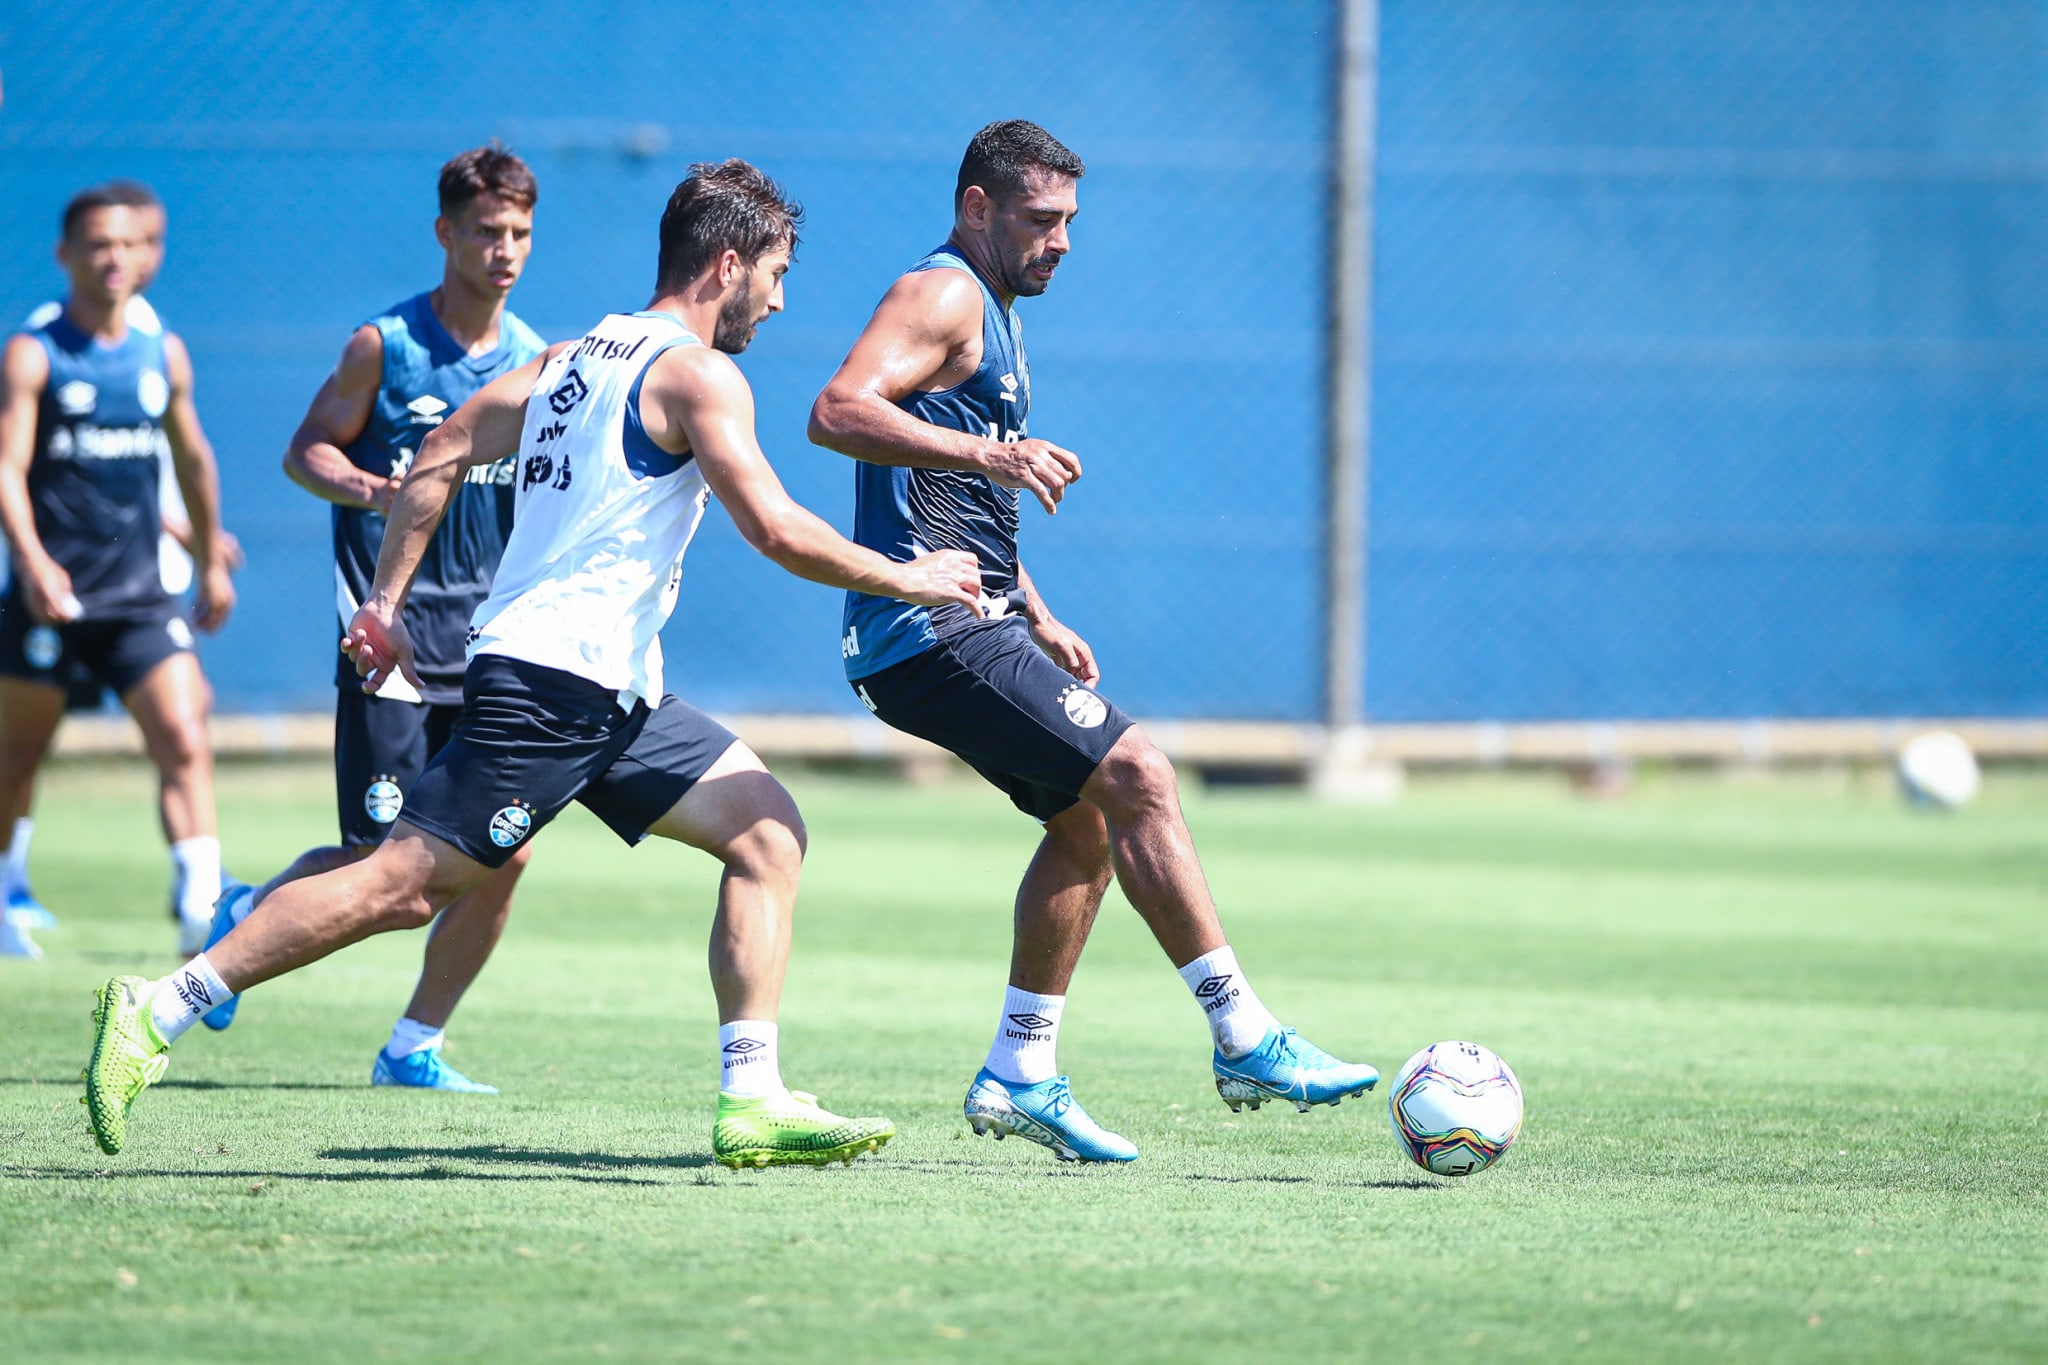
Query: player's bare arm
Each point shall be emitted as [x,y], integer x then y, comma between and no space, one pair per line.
[199,482]
[926,336]
[1060,643]
[695,399]
[482,431]
[46,587]
[316,459]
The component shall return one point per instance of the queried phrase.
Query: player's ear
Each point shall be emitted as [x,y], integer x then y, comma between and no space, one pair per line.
[444,232]
[974,207]
[731,268]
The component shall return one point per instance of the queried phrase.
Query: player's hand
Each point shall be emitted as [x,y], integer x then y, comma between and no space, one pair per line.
[1066,649]
[46,590]
[380,493]
[228,546]
[1041,466]
[942,577]
[379,645]
[216,599]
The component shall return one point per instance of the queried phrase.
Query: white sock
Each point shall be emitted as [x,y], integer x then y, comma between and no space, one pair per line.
[1236,1017]
[409,1035]
[184,995]
[1026,1036]
[195,877]
[15,876]
[747,1060]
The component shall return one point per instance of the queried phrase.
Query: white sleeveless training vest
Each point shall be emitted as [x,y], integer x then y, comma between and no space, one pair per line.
[601,521]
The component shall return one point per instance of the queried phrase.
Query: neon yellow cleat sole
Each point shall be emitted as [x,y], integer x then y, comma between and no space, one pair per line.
[127,1058]
[790,1129]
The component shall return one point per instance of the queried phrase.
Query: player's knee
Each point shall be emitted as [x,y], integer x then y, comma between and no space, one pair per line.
[179,743]
[1136,774]
[773,846]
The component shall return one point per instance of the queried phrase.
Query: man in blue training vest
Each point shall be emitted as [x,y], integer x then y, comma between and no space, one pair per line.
[933,402]
[400,375]
[90,406]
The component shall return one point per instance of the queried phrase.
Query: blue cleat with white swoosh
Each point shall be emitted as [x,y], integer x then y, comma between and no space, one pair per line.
[1287,1066]
[1045,1113]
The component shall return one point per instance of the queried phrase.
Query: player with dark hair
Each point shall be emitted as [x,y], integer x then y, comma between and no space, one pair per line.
[399,375]
[933,401]
[621,437]
[90,407]
[174,545]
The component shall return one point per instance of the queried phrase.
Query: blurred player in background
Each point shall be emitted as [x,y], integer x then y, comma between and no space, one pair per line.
[933,401]
[89,408]
[399,376]
[621,436]
[174,546]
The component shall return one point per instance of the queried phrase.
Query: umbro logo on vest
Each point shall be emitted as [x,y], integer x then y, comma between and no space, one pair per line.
[1009,388]
[76,399]
[427,408]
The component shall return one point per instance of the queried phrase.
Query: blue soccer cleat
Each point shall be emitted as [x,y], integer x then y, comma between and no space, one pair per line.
[15,940]
[25,910]
[424,1070]
[224,911]
[1287,1066]
[1045,1113]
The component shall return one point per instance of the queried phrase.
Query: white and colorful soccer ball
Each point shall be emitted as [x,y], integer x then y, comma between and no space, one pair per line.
[1456,1108]
[1938,769]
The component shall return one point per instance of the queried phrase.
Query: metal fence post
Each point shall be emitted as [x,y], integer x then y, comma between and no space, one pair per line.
[1346,769]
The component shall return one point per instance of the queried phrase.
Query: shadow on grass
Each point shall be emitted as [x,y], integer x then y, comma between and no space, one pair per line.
[277,1179]
[520,1156]
[181,1083]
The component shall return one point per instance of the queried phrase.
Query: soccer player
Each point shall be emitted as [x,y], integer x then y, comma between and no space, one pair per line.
[400,374]
[933,401]
[17,899]
[89,407]
[621,437]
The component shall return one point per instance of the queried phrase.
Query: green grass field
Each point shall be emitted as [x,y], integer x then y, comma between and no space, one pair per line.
[1783,1045]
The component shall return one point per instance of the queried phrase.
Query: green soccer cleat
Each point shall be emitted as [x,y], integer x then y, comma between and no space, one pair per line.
[127,1058]
[790,1129]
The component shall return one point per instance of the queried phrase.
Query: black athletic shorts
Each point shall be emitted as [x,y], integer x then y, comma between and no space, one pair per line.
[84,658]
[530,740]
[380,748]
[990,694]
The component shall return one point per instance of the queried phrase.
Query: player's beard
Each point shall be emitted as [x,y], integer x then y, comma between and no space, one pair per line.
[1023,284]
[736,321]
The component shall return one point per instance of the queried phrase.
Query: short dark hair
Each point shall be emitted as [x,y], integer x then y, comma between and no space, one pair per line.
[999,155]
[88,199]
[490,169]
[720,206]
[132,194]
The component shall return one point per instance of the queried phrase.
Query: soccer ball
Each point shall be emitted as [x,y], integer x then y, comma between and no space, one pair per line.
[1938,769]
[1455,1108]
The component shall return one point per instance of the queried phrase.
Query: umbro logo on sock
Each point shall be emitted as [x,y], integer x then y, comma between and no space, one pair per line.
[1215,992]
[192,991]
[1031,1028]
[740,1047]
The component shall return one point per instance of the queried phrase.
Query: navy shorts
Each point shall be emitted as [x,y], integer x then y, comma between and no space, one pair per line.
[85,658]
[381,747]
[990,695]
[530,740]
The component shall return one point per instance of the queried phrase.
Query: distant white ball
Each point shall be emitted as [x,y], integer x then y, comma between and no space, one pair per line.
[1455,1108]
[1938,769]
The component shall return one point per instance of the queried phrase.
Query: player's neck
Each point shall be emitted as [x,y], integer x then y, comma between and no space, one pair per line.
[976,252]
[693,307]
[102,319]
[472,318]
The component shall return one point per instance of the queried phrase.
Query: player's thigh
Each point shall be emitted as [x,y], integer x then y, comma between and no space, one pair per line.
[29,715]
[380,748]
[688,778]
[169,704]
[992,697]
